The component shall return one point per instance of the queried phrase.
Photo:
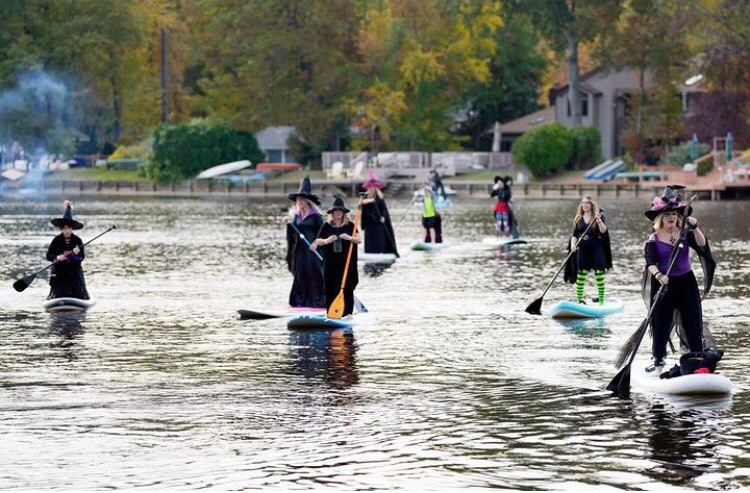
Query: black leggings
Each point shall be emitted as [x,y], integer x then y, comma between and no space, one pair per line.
[682,295]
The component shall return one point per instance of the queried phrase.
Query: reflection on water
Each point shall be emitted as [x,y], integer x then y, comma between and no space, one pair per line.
[456,386]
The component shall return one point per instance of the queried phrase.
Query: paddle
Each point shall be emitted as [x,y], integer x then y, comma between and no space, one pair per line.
[620,384]
[535,308]
[25,282]
[406,211]
[336,310]
[358,305]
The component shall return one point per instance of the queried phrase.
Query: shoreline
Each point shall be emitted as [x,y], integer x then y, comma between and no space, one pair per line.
[463,189]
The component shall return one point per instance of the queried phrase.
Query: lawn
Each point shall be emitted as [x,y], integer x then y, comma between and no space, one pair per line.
[95,174]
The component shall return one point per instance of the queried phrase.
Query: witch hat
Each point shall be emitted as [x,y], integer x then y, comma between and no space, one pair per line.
[305,191]
[338,203]
[670,200]
[67,218]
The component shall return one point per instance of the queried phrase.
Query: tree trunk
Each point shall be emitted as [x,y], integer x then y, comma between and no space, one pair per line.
[574,86]
[117,110]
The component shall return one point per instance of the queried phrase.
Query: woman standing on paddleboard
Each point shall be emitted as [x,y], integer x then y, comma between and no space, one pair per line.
[592,249]
[682,294]
[504,220]
[376,221]
[333,241]
[307,288]
[66,251]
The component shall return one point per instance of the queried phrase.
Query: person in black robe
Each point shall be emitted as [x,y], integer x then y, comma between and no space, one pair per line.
[376,223]
[334,240]
[66,252]
[307,287]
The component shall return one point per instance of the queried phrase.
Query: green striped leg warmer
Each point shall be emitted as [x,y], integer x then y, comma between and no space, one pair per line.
[580,283]
[599,275]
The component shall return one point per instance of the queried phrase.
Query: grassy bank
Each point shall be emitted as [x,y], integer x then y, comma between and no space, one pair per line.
[95,174]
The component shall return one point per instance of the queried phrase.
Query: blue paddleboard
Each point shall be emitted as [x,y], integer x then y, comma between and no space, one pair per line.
[569,309]
[318,322]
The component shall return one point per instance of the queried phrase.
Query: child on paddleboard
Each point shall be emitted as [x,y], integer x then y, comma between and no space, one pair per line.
[431,220]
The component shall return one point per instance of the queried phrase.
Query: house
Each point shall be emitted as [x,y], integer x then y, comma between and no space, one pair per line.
[273,141]
[605,96]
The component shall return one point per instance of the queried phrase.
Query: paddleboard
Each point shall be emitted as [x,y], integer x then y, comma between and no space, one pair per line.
[376,258]
[421,246]
[319,322]
[569,309]
[287,312]
[693,385]
[497,242]
[68,305]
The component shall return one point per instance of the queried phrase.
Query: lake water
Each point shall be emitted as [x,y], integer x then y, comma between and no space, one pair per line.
[160,385]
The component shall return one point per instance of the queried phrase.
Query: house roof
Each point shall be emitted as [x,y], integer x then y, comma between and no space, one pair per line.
[540,118]
[555,91]
[274,138]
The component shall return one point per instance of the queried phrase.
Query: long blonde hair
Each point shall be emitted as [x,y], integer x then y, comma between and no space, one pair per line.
[579,211]
[658,221]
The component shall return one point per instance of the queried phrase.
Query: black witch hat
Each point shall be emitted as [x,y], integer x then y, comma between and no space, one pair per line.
[305,191]
[670,200]
[67,218]
[338,203]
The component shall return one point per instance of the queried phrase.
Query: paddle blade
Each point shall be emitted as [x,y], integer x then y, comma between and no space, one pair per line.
[620,385]
[23,283]
[535,308]
[631,345]
[336,310]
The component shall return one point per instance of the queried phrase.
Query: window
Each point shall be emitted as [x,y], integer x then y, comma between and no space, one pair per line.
[584,104]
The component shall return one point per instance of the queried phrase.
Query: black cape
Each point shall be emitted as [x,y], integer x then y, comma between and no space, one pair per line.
[649,285]
[505,195]
[66,279]
[307,288]
[597,245]
[379,236]
[334,260]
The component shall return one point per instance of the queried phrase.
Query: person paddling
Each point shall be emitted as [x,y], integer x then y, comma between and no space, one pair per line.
[681,304]
[593,251]
[376,221]
[504,219]
[333,240]
[307,287]
[431,220]
[67,252]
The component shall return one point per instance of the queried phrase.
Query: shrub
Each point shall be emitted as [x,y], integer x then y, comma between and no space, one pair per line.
[587,147]
[705,166]
[680,154]
[544,149]
[181,151]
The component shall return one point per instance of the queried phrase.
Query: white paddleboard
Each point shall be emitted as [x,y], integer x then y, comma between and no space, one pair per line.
[502,241]
[421,246]
[68,305]
[375,258]
[281,313]
[694,385]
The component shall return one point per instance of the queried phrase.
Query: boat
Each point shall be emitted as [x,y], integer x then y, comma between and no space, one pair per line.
[68,305]
[503,241]
[570,309]
[421,246]
[696,384]
[281,313]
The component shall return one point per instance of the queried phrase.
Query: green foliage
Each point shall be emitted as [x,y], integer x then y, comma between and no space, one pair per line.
[184,150]
[587,147]
[544,149]
[680,154]
[705,166]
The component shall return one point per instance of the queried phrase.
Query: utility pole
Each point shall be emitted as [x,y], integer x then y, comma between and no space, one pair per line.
[164,76]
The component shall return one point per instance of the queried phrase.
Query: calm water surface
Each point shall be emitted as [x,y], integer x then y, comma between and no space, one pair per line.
[455,386]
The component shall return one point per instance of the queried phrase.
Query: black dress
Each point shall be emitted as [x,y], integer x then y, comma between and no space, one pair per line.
[379,237]
[334,261]
[307,288]
[594,251]
[66,279]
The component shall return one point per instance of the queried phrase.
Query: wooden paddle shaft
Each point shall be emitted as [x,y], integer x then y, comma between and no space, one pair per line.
[351,248]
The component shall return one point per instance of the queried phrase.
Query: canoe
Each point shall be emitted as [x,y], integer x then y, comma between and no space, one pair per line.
[569,309]
[421,246]
[376,258]
[282,313]
[319,322]
[498,242]
[68,305]
[694,385]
